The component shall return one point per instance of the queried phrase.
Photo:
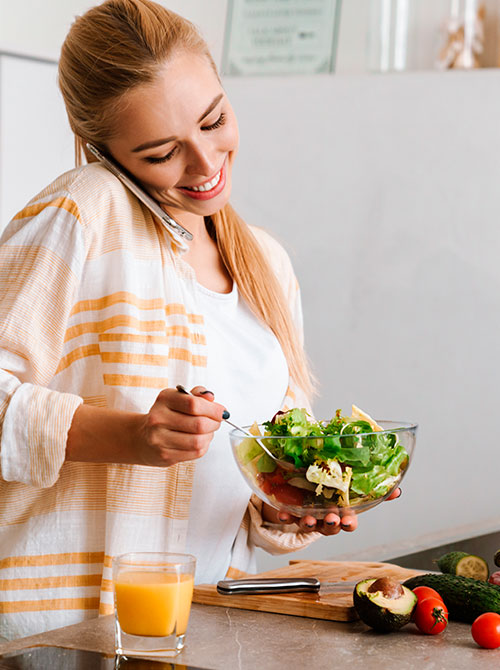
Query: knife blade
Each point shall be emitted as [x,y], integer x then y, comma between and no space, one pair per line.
[270,585]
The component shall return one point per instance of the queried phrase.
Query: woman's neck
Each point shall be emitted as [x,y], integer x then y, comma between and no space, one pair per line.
[204,257]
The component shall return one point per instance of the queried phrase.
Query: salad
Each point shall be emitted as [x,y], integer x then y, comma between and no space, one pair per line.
[341,462]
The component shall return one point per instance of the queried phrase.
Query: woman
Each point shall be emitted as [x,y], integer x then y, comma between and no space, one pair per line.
[105,311]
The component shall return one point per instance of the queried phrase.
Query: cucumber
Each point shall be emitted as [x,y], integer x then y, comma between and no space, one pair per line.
[465,598]
[465,565]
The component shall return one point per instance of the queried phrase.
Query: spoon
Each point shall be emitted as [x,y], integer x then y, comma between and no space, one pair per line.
[283,464]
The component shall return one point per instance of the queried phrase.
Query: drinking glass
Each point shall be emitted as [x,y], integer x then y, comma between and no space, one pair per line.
[153,593]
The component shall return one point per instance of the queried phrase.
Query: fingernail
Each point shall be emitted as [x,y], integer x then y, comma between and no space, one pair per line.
[282,517]
[346,525]
[225,414]
[400,493]
[205,392]
[331,523]
[310,525]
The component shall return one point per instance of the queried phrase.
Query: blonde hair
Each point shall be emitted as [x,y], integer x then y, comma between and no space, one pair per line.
[118,45]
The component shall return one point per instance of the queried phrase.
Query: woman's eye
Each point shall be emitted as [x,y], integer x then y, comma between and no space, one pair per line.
[162,159]
[220,122]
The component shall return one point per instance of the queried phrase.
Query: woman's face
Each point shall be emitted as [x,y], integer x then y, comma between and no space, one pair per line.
[178,135]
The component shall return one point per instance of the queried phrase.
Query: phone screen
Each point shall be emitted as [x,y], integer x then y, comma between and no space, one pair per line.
[56,658]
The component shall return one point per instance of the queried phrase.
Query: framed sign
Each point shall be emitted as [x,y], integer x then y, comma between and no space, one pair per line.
[281,37]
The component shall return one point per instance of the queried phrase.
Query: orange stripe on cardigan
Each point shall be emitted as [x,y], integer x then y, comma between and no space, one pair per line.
[61,203]
[17,606]
[85,557]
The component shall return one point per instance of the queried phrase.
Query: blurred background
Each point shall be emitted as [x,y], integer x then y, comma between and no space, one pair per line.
[380,178]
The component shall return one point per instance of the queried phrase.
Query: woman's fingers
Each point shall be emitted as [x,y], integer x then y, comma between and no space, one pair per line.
[332,524]
[308,524]
[179,426]
[194,405]
[165,418]
[349,523]
[395,494]
[203,392]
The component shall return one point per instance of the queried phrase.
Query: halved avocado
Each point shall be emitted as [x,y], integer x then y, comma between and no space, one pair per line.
[384,603]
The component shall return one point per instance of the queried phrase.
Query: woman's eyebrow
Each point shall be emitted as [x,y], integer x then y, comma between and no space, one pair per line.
[153,143]
[211,106]
[158,143]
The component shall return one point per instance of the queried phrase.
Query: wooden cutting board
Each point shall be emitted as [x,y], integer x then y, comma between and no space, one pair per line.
[337,606]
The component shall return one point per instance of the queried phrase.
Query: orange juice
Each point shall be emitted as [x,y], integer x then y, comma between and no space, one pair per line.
[153,603]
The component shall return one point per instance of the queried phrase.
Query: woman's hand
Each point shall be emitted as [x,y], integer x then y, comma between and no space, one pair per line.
[178,427]
[332,524]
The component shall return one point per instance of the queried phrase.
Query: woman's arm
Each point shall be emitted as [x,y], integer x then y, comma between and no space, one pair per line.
[177,428]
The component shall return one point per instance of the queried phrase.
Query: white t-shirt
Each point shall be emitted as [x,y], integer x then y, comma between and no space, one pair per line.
[248,373]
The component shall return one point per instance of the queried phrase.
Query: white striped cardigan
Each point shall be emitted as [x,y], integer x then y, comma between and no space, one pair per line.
[94,308]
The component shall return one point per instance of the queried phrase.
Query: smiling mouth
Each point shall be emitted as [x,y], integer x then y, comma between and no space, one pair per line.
[206,186]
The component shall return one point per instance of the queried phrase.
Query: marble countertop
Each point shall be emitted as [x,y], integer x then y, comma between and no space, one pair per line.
[222,638]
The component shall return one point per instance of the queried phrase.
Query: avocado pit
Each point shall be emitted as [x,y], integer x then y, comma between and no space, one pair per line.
[390,588]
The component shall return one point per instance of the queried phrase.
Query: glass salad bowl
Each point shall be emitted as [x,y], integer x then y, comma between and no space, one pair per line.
[342,466]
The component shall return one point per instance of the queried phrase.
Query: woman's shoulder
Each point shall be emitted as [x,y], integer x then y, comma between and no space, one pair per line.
[83,197]
[89,186]
[86,197]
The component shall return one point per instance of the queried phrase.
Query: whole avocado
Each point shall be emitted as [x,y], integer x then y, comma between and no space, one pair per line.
[384,604]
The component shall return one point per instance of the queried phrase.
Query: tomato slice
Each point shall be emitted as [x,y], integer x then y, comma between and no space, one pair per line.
[486,630]
[288,494]
[268,480]
[266,486]
[275,477]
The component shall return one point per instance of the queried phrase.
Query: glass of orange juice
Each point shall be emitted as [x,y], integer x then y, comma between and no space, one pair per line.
[153,593]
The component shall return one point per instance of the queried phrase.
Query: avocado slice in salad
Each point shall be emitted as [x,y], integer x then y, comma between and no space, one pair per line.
[247,450]
[384,604]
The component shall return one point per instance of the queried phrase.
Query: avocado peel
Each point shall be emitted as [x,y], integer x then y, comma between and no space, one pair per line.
[384,604]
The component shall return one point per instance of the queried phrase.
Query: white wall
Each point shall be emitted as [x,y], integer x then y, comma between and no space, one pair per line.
[35,139]
[384,190]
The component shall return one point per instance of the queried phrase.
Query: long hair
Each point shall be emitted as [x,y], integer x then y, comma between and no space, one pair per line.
[121,44]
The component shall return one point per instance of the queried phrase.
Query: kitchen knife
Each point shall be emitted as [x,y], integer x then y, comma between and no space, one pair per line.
[270,585]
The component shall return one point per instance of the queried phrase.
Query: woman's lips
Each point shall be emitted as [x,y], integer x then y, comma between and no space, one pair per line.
[211,187]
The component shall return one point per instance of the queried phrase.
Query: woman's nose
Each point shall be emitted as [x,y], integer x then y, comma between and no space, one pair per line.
[202,161]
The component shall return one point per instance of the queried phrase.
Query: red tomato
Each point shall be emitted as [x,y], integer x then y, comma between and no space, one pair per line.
[431,616]
[266,486]
[495,578]
[275,477]
[267,480]
[423,592]
[486,630]
[288,494]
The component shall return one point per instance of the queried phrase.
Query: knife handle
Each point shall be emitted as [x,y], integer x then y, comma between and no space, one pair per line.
[255,586]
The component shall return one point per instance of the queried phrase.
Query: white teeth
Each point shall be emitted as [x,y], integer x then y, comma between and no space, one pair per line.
[208,186]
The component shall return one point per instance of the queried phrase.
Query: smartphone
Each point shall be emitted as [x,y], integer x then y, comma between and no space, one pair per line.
[127,179]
